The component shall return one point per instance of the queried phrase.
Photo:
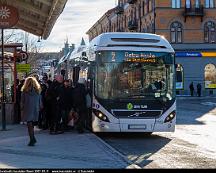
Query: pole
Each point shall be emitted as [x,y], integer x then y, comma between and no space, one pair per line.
[26,49]
[3,87]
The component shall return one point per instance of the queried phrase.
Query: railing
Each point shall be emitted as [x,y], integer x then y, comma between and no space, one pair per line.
[119,9]
[132,25]
[120,30]
[194,11]
[131,1]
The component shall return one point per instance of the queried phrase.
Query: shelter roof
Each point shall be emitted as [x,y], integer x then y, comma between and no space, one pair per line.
[37,16]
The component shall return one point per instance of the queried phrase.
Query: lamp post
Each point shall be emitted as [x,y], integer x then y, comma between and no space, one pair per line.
[3,85]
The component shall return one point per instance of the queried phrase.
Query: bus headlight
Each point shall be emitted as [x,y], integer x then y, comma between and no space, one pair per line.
[100,115]
[170,117]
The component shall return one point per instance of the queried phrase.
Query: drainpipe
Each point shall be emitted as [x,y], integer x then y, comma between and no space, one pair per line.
[154,16]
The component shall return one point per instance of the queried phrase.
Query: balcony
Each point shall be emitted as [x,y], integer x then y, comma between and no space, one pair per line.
[132,25]
[120,30]
[194,11]
[119,9]
[131,1]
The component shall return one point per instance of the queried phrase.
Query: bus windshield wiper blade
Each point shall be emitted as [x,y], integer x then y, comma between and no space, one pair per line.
[136,95]
[160,101]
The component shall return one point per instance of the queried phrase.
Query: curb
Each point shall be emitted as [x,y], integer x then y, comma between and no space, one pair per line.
[129,162]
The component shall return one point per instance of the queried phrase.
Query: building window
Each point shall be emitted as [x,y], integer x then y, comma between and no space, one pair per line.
[197,4]
[179,76]
[176,32]
[150,5]
[209,3]
[210,76]
[188,3]
[210,32]
[147,6]
[176,3]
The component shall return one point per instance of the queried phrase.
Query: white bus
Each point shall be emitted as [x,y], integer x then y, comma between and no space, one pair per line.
[132,83]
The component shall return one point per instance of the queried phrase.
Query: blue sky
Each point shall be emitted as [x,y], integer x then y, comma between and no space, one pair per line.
[78,16]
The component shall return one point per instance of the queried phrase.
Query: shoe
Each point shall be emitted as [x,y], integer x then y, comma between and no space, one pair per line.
[59,132]
[80,131]
[34,140]
[31,143]
[52,133]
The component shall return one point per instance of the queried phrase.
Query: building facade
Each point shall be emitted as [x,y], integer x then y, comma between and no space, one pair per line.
[189,25]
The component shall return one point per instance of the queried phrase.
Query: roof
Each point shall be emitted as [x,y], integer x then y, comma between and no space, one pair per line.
[131,41]
[82,42]
[37,16]
[107,14]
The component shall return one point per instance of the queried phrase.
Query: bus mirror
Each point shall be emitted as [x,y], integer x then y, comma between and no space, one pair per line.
[85,58]
[84,54]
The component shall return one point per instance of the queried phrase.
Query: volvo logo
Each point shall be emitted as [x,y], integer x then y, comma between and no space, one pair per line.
[137,114]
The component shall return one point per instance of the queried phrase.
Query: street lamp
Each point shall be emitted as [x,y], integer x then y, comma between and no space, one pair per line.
[3,87]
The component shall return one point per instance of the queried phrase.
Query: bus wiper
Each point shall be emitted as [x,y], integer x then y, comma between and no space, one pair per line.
[160,101]
[137,95]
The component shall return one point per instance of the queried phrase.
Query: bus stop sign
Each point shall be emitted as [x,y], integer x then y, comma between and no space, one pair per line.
[9,16]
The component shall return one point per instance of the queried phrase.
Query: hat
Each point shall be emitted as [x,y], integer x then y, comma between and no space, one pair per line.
[59,78]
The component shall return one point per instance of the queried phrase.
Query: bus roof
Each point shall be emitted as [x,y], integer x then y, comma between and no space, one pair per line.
[131,41]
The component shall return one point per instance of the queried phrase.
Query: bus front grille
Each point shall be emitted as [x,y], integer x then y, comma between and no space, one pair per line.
[137,113]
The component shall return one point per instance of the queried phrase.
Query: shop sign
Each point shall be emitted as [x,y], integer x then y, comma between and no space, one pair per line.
[23,68]
[210,85]
[195,54]
[188,54]
[9,16]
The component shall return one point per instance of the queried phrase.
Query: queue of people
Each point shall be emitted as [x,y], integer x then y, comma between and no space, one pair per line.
[50,104]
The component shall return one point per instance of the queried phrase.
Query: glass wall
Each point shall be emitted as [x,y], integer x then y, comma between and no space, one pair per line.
[179,76]
[210,76]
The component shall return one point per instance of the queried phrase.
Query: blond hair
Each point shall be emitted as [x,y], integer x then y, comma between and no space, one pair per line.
[31,84]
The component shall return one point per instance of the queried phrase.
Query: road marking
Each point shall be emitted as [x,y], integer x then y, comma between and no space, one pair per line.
[209,103]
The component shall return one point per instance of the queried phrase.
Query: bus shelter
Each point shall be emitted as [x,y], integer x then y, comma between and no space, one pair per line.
[36,17]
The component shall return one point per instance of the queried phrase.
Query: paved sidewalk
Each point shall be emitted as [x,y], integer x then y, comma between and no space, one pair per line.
[68,150]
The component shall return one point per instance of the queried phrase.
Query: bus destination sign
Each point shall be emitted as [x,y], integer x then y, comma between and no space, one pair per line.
[140,57]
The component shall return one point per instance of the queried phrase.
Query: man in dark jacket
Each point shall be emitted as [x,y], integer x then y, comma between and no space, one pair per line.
[79,103]
[191,88]
[199,87]
[65,102]
[53,95]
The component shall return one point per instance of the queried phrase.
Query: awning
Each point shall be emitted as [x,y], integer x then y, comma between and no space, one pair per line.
[37,16]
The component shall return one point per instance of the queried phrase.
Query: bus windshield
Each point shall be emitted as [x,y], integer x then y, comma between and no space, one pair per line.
[127,74]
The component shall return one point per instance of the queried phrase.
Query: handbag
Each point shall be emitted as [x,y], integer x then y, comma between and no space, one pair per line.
[72,117]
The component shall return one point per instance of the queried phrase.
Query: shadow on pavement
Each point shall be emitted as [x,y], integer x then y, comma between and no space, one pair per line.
[139,146]
[189,110]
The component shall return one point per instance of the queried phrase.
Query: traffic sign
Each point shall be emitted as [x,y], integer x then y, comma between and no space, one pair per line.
[25,68]
[24,56]
[9,16]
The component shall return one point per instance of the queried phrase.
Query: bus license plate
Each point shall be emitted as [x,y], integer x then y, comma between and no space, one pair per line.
[137,126]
